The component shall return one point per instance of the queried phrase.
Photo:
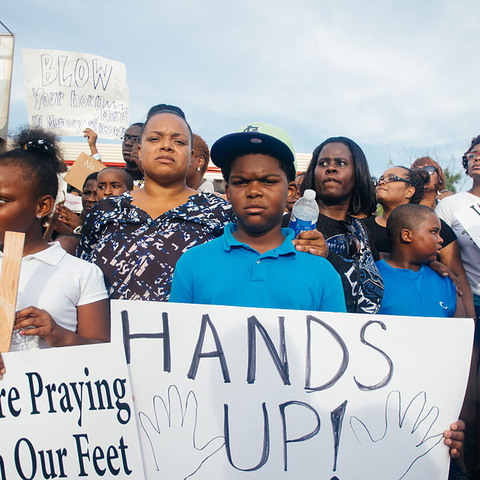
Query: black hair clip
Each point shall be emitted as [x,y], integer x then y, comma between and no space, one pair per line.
[40,144]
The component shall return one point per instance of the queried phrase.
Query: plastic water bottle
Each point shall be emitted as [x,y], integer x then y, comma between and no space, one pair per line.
[24,342]
[304,213]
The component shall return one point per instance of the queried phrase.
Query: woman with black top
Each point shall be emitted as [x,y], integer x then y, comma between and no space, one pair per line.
[339,174]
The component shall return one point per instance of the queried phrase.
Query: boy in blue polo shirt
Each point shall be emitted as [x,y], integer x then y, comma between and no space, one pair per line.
[411,287]
[255,263]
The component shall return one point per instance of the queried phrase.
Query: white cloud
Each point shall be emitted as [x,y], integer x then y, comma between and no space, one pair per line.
[389,74]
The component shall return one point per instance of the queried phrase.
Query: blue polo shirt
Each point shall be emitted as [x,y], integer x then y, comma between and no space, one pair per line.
[417,294]
[225,271]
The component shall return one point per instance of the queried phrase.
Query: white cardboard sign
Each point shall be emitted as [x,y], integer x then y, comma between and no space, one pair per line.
[232,393]
[68,413]
[470,219]
[68,92]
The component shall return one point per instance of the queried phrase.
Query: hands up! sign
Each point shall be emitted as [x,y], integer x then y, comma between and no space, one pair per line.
[68,92]
[231,393]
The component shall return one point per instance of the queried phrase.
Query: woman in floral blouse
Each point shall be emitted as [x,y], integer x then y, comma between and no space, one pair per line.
[137,238]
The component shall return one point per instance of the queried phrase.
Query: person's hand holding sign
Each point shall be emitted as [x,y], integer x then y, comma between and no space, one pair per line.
[91,137]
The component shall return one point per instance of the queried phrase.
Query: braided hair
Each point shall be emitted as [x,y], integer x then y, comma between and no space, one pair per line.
[475,141]
[418,178]
[38,154]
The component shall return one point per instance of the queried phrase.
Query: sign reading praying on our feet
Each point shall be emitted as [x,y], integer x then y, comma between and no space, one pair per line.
[250,393]
[68,92]
[68,413]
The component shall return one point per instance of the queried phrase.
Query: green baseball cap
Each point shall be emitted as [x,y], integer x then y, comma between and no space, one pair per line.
[260,137]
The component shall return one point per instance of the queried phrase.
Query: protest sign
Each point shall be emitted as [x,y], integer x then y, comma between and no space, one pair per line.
[469,217]
[67,413]
[83,166]
[68,92]
[232,393]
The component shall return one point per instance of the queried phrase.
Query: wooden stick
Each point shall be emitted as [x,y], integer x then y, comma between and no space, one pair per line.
[47,236]
[12,259]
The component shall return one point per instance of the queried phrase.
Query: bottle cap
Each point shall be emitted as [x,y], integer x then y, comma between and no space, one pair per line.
[309,194]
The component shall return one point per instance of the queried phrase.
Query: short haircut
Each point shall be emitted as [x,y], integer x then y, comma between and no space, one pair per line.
[137,124]
[475,141]
[410,216]
[288,169]
[37,152]
[161,107]
[126,176]
[200,149]
[172,109]
[363,195]
[425,161]
[92,176]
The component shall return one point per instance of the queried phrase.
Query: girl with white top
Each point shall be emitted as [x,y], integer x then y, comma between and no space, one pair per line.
[61,299]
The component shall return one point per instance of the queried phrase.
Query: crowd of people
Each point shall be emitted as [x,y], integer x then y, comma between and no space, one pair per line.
[151,232]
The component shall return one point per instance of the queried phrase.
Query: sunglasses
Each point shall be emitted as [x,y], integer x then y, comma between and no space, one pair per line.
[390,179]
[430,169]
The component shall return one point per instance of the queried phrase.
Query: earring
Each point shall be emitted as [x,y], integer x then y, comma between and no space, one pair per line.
[199,169]
[39,216]
[356,203]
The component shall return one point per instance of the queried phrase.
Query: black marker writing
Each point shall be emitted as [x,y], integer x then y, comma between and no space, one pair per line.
[389,375]
[218,353]
[280,360]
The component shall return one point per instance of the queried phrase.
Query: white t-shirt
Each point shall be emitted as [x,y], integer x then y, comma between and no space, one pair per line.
[446,210]
[57,282]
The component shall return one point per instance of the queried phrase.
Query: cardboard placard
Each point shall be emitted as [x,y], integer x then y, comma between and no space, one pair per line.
[83,166]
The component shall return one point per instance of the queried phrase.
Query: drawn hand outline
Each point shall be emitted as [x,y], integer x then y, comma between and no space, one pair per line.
[174,426]
[400,441]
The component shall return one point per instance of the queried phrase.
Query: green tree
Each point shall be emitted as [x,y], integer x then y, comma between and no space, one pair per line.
[452,179]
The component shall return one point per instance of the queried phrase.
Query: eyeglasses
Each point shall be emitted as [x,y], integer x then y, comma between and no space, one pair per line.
[352,242]
[133,138]
[390,179]
[473,156]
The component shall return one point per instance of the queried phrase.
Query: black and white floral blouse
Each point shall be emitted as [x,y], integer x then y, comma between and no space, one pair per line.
[136,253]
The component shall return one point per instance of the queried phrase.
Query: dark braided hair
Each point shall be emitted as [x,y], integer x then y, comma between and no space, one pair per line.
[38,154]
[418,178]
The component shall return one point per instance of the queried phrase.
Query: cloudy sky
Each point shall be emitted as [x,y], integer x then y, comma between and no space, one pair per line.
[400,78]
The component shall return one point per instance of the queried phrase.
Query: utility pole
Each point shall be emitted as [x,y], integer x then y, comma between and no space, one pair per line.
[7,40]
